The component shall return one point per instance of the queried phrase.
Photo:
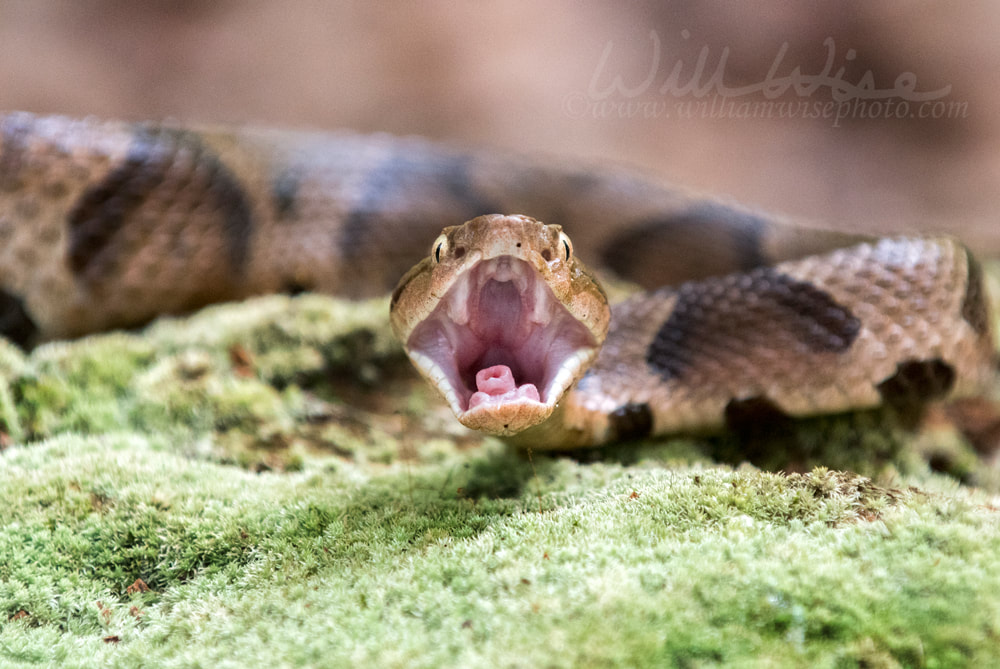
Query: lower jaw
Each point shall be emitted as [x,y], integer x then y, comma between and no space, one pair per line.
[506,419]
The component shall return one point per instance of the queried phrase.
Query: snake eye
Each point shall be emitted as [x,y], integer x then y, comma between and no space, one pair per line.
[440,246]
[566,244]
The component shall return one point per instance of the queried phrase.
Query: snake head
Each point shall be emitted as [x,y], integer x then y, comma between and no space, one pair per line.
[502,319]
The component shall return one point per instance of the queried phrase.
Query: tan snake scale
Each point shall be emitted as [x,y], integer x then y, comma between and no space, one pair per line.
[109,224]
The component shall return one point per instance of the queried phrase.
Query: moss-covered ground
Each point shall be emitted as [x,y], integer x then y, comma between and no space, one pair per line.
[268,484]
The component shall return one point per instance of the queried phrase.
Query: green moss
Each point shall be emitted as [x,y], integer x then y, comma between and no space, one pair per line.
[629,566]
[101,364]
[233,374]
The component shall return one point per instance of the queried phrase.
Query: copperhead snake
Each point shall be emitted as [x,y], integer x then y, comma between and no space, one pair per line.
[109,224]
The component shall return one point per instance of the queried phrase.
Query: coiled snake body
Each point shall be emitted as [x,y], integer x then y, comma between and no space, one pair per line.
[107,224]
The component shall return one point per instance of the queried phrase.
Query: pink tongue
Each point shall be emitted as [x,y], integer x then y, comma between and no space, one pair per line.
[496,385]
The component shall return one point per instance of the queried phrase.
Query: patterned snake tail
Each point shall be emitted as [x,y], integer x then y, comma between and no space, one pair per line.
[109,224]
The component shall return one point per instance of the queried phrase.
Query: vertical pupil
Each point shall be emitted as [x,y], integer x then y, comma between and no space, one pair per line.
[437,253]
[566,246]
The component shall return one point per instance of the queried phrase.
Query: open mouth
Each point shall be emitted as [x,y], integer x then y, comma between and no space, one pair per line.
[499,339]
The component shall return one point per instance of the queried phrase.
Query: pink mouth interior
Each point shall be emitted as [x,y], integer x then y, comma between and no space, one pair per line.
[499,335]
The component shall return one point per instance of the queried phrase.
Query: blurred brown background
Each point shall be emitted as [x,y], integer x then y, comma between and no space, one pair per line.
[518,74]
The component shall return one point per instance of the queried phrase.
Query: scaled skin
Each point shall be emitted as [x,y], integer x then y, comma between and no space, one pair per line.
[898,322]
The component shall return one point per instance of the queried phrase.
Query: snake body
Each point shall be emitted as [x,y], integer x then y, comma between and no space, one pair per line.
[109,224]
